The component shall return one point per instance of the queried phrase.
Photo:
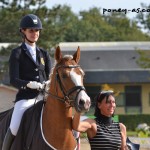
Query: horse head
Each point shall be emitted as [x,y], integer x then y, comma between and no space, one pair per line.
[67,78]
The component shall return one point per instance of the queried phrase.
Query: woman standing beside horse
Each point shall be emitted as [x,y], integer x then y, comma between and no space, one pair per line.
[102,132]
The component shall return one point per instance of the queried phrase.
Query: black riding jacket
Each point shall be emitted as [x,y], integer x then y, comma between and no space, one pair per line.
[23,69]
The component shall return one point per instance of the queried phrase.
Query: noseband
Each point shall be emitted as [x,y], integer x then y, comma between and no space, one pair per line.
[66,99]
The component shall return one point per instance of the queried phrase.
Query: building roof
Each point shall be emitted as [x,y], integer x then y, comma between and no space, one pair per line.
[104,56]
[117,77]
[97,46]
[110,62]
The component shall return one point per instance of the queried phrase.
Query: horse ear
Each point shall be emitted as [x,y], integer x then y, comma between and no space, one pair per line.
[58,54]
[76,55]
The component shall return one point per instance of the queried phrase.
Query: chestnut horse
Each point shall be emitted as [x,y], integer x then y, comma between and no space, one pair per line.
[51,123]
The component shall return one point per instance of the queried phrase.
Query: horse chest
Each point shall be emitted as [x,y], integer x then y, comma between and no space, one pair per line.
[57,131]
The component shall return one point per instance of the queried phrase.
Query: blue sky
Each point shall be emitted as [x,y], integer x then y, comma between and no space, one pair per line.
[77,5]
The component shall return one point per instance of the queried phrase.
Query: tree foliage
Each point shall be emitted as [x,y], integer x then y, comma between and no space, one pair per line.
[62,25]
[93,27]
[144,59]
[143,18]
[125,29]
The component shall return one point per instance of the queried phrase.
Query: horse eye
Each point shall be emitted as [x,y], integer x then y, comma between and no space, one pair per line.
[64,75]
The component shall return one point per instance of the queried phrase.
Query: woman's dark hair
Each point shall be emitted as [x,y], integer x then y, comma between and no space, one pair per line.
[99,98]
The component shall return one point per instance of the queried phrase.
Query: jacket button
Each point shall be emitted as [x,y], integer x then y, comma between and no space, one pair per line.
[23,87]
[36,69]
[37,77]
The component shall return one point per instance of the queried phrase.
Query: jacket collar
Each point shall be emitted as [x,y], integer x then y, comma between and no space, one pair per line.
[29,55]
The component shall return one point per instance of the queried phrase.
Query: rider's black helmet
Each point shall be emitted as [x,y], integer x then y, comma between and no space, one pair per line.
[30,21]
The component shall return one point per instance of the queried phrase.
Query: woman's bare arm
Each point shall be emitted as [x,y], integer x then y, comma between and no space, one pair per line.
[123,137]
[80,126]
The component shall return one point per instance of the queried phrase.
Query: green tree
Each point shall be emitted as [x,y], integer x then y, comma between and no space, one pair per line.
[92,27]
[144,59]
[143,18]
[58,21]
[126,29]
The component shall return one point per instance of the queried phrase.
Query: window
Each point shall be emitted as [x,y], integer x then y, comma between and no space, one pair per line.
[133,99]
[120,100]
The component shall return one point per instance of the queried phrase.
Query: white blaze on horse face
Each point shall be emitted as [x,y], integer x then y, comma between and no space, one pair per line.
[77,79]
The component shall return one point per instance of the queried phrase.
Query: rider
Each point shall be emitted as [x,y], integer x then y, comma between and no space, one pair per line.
[29,67]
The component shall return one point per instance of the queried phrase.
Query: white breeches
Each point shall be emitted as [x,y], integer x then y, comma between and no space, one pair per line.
[19,108]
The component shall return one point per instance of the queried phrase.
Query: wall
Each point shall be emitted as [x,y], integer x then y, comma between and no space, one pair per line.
[7,96]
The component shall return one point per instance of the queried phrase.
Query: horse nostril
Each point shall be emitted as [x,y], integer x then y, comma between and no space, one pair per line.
[81,103]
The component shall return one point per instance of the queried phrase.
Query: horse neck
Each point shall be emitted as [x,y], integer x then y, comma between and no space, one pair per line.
[57,124]
[57,110]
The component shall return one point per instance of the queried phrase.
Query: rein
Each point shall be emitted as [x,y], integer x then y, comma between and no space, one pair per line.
[66,94]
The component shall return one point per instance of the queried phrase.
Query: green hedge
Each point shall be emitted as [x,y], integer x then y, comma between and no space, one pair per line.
[132,121]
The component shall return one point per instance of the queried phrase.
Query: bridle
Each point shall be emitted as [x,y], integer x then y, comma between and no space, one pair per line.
[66,94]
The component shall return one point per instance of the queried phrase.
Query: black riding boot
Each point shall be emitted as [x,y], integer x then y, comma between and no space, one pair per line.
[8,140]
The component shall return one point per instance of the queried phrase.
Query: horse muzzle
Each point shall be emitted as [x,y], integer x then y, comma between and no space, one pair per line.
[83,102]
